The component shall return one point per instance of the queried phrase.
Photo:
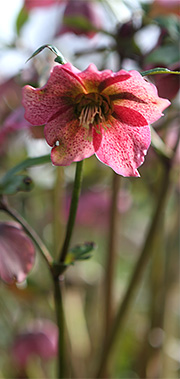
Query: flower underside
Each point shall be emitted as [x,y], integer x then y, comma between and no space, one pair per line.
[93,110]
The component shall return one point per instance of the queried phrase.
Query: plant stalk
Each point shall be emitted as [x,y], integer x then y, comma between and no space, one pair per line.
[73,210]
[60,324]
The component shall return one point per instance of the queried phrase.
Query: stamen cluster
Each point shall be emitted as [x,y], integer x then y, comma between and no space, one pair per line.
[93,110]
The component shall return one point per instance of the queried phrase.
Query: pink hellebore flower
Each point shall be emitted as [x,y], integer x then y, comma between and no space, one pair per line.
[17,253]
[40,339]
[89,112]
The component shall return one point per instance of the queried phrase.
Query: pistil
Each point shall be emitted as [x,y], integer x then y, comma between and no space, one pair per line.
[93,110]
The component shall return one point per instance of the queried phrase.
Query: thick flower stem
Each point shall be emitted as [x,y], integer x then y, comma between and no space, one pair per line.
[57,282]
[29,230]
[60,324]
[73,209]
[111,255]
[137,273]
[57,200]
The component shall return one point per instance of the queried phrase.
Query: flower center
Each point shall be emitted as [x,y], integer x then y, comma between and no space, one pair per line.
[93,110]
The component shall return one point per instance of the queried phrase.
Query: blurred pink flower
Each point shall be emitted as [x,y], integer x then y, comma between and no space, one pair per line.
[17,253]
[40,339]
[89,112]
[16,121]
[30,4]
[94,207]
[10,98]
[82,13]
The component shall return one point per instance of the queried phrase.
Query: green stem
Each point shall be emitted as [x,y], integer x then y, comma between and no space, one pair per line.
[57,287]
[29,230]
[137,273]
[60,324]
[57,199]
[73,209]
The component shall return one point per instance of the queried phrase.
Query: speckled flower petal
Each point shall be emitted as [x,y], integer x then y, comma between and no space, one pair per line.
[128,104]
[17,253]
[123,148]
[138,94]
[95,80]
[62,86]
[75,143]
[58,123]
[128,116]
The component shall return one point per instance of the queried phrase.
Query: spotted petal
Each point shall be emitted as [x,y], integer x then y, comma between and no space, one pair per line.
[137,94]
[75,143]
[42,103]
[123,148]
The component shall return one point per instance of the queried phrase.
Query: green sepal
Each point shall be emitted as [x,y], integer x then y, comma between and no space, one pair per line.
[59,57]
[80,252]
[159,70]
[15,184]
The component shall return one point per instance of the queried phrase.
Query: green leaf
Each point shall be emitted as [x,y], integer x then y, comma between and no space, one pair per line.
[59,57]
[171,24]
[167,54]
[30,162]
[21,19]
[78,252]
[15,184]
[159,70]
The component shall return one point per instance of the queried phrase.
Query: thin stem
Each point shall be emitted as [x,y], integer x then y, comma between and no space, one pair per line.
[57,284]
[110,264]
[29,230]
[57,199]
[60,324]
[137,273]
[73,210]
